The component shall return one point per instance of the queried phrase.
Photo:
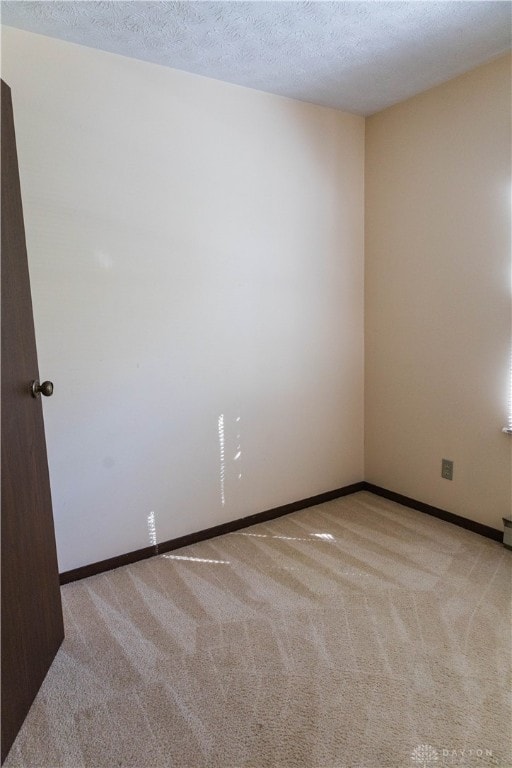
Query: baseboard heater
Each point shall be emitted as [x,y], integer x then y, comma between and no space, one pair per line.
[272,514]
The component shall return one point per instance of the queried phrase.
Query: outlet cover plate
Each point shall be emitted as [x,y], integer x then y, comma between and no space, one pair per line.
[447,469]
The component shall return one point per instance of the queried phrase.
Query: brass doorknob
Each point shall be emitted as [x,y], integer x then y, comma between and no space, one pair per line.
[46,388]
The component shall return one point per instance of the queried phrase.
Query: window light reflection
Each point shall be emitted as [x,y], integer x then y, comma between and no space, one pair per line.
[322,536]
[197,559]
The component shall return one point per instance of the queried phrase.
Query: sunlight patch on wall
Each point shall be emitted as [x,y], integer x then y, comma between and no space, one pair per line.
[230,453]
[508,427]
[222,452]
[103,259]
[152,530]
[238,455]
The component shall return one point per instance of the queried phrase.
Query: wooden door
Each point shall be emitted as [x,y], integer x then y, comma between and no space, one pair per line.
[32,625]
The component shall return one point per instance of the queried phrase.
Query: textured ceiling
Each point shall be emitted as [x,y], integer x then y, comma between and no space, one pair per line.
[356,56]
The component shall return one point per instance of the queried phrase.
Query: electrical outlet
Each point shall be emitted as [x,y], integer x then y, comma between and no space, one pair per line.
[447,469]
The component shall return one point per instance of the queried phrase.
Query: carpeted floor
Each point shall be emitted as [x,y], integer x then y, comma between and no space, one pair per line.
[355,634]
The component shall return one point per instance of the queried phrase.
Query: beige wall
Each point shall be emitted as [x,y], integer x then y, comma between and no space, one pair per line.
[438,295]
[196,257]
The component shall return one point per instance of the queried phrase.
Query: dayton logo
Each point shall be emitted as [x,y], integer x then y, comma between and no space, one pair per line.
[425,755]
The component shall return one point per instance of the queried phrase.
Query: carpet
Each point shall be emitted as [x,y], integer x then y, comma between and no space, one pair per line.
[354,634]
